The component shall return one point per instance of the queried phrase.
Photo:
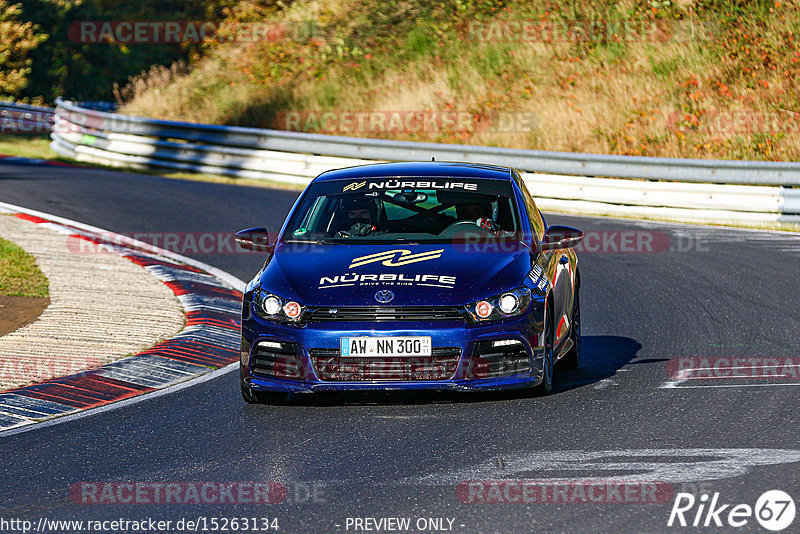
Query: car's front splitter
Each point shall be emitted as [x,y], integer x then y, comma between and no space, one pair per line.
[293,386]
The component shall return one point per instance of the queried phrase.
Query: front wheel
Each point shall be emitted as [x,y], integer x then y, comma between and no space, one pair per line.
[546,385]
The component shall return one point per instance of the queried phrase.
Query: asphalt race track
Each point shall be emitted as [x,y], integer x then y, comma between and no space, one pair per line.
[702,292]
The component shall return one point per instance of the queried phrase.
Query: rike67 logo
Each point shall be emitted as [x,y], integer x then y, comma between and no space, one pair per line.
[774,510]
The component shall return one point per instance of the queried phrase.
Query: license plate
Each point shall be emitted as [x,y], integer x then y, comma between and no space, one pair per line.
[386,346]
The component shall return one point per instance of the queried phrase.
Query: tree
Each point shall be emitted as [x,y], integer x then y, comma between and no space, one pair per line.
[17,40]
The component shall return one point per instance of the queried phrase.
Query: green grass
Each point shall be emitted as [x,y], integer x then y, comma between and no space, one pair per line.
[26,146]
[19,274]
[662,68]
[419,43]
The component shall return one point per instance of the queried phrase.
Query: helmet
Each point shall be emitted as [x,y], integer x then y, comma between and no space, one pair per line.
[355,209]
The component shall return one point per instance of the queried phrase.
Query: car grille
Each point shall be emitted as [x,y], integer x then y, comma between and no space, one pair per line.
[386,313]
[277,362]
[331,366]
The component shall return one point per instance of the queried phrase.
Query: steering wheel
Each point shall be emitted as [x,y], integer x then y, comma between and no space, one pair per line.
[466,226]
[357,230]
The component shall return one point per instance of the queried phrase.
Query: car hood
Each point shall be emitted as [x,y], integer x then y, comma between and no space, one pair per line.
[417,275]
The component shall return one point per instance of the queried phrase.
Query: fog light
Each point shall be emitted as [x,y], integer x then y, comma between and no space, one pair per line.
[269,344]
[271,305]
[291,309]
[508,303]
[506,342]
[483,309]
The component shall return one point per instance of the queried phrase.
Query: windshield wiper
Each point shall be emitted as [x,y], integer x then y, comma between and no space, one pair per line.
[312,241]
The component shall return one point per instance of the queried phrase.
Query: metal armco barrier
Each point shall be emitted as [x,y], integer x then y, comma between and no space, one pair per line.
[25,119]
[718,191]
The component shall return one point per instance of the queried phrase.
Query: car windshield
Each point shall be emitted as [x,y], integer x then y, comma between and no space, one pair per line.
[405,209]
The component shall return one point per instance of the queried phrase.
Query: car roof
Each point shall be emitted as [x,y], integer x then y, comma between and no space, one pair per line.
[428,169]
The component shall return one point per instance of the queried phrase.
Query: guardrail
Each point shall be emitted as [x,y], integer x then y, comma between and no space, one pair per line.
[719,191]
[25,119]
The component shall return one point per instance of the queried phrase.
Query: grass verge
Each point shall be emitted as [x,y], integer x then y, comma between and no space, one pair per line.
[19,274]
[27,146]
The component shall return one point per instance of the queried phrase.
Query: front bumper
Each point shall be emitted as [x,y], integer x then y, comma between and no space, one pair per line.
[444,334]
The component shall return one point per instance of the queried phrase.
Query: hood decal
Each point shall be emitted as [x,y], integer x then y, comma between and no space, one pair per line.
[351,279]
[349,275]
[403,256]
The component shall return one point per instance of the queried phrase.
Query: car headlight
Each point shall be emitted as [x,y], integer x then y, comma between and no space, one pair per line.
[502,306]
[275,308]
[271,305]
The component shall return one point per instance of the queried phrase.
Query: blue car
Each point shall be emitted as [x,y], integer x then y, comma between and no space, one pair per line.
[400,276]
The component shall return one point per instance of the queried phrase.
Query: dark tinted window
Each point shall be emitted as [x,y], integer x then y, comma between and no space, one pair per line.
[533,212]
[418,209]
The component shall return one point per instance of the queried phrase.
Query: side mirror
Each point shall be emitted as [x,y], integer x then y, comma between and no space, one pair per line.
[558,236]
[253,239]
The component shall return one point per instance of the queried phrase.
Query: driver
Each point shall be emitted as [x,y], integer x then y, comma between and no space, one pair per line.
[357,217]
[478,212]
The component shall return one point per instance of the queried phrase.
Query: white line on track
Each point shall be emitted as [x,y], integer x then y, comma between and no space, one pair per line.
[684,376]
[710,386]
[228,278]
[606,382]
[646,465]
[736,377]
[743,367]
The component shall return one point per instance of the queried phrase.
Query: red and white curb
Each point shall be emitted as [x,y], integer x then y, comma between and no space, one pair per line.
[206,347]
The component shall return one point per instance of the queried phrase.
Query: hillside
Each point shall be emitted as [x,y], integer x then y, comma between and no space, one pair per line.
[707,79]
